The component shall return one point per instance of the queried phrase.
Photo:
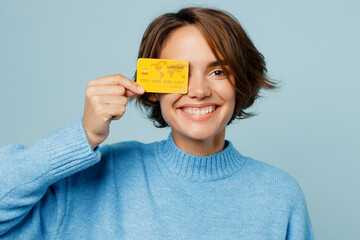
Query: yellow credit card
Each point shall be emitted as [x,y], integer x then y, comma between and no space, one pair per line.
[162,75]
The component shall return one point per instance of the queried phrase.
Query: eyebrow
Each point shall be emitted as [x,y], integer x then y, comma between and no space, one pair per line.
[213,64]
[217,63]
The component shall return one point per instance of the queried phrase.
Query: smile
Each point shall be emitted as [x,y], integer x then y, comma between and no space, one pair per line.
[199,111]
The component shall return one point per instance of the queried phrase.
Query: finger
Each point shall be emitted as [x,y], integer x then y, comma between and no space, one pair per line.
[109,90]
[101,90]
[118,79]
[114,100]
[116,118]
[115,112]
[130,93]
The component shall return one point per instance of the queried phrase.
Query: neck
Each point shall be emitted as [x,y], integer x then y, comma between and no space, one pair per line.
[200,147]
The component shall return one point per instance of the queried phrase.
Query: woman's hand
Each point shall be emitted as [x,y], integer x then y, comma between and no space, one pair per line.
[105,100]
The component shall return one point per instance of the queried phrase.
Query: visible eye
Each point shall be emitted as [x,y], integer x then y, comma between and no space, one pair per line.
[218,73]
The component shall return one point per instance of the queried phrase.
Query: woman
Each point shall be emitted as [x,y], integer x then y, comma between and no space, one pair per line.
[194,185]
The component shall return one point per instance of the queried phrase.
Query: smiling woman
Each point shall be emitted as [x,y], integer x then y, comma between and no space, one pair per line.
[193,185]
[230,45]
[198,119]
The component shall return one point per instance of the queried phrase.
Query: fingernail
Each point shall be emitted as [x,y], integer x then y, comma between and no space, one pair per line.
[141,89]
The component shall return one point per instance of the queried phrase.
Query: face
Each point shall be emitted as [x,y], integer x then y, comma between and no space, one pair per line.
[202,113]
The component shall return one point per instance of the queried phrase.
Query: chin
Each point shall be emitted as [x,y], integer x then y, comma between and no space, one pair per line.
[199,137]
[199,134]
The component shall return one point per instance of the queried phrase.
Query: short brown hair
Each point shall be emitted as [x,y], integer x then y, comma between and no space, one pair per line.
[225,37]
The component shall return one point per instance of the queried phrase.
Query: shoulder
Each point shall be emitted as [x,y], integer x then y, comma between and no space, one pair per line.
[128,148]
[273,180]
[128,151]
[119,159]
[279,191]
[267,171]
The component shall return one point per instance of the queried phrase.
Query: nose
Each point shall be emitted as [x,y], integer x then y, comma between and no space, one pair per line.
[198,86]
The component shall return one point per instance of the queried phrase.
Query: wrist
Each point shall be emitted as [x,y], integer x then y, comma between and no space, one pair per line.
[93,140]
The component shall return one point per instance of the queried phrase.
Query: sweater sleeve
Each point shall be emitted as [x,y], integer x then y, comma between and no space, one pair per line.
[27,175]
[299,226]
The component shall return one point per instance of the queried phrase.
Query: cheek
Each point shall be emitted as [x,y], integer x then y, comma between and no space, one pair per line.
[163,106]
[231,100]
[230,91]
[227,92]
[167,104]
[228,95]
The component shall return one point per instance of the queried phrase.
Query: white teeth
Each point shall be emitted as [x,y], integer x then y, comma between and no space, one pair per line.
[199,111]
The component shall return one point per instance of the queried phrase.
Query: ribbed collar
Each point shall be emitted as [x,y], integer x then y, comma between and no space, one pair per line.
[195,168]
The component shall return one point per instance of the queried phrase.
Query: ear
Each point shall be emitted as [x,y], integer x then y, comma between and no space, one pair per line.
[153,97]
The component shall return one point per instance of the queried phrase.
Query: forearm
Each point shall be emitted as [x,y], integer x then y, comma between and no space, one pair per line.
[26,173]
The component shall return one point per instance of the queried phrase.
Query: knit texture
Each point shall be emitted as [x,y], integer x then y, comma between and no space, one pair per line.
[60,188]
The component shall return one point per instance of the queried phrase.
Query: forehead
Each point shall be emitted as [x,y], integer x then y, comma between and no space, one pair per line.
[187,43]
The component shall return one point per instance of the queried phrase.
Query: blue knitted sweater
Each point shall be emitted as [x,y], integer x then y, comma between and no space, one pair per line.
[60,188]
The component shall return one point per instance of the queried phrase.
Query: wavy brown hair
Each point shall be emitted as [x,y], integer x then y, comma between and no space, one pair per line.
[226,38]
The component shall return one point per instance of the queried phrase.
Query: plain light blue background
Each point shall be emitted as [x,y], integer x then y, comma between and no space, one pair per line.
[49,50]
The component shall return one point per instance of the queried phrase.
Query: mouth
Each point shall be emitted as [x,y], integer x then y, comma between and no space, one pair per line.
[198,113]
[199,110]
